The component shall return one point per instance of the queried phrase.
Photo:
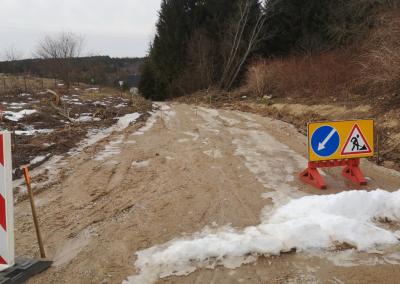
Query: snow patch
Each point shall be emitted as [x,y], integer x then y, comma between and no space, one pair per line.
[16,116]
[31,131]
[39,159]
[348,217]
[96,135]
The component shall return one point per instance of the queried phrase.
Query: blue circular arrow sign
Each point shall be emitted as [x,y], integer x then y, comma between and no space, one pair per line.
[325,141]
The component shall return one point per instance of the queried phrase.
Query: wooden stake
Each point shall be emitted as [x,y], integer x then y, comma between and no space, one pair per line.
[33,207]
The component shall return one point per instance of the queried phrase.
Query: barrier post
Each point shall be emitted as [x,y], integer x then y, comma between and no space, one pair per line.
[6,204]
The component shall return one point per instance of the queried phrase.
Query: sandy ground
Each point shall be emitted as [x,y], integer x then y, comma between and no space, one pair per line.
[194,167]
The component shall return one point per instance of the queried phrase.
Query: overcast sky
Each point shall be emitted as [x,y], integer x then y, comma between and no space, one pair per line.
[119,28]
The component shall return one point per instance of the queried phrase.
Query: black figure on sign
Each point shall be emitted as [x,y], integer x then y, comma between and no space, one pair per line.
[356,144]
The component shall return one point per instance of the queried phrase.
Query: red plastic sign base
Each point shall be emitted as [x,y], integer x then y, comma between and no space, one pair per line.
[351,171]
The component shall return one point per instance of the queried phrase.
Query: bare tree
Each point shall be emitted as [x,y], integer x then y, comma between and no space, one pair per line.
[60,50]
[244,37]
[12,54]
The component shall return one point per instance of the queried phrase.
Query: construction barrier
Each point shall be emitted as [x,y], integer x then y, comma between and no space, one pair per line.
[338,144]
[6,203]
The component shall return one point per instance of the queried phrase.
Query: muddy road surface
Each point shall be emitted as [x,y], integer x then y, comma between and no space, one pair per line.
[186,169]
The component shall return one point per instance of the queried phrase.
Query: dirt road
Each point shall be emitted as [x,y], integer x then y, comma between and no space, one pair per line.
[186,169]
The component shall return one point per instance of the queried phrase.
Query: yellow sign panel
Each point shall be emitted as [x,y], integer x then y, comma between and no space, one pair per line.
[337,140]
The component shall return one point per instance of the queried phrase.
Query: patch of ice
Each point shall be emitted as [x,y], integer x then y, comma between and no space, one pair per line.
[166,111]
[16,116]
[92,89]
[141,164]
[229,121]
[210,116]
[87,118]
[216,154]
[16,105]
[245,116]
[126,120]
[253,125]
[110,150]
[195,136]
[149,124]
[39,159]
[274,164]
[97,103]
[347,217]
[31,132]
[96,135]
[48,173]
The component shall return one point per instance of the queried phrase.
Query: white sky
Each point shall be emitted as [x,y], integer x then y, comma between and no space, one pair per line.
[119,28]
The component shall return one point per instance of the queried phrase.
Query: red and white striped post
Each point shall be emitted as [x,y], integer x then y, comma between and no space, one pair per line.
[6,203]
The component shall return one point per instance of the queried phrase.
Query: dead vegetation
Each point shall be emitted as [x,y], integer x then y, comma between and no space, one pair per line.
[315,76]
[381,61]
[61,119]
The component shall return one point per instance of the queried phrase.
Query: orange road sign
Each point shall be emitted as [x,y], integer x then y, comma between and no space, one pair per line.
[338,140]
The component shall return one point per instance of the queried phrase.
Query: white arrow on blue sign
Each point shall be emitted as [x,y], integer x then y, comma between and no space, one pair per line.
[325,141]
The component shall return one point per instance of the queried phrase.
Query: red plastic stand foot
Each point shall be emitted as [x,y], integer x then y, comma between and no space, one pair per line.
[313,177]
[353,172]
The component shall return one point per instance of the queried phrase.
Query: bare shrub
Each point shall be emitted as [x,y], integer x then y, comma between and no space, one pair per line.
[381,60]
[327,74]
[261,77]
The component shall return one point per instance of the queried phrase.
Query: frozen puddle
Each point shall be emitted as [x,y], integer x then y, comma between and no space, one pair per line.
[347,217]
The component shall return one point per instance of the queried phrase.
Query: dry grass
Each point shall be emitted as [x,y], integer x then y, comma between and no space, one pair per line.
[381,61]
[14,84]
[327,74]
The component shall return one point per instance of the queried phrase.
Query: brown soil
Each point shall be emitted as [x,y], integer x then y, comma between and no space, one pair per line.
[181,175]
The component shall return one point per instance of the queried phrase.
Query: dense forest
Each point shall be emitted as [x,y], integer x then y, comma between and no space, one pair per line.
[102,70]
[211,43]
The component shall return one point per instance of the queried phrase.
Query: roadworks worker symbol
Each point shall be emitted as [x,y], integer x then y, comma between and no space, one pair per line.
[338,140]
[356,143]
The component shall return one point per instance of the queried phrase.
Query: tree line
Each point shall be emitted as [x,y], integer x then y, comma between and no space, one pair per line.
[60,56]
[208,43]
